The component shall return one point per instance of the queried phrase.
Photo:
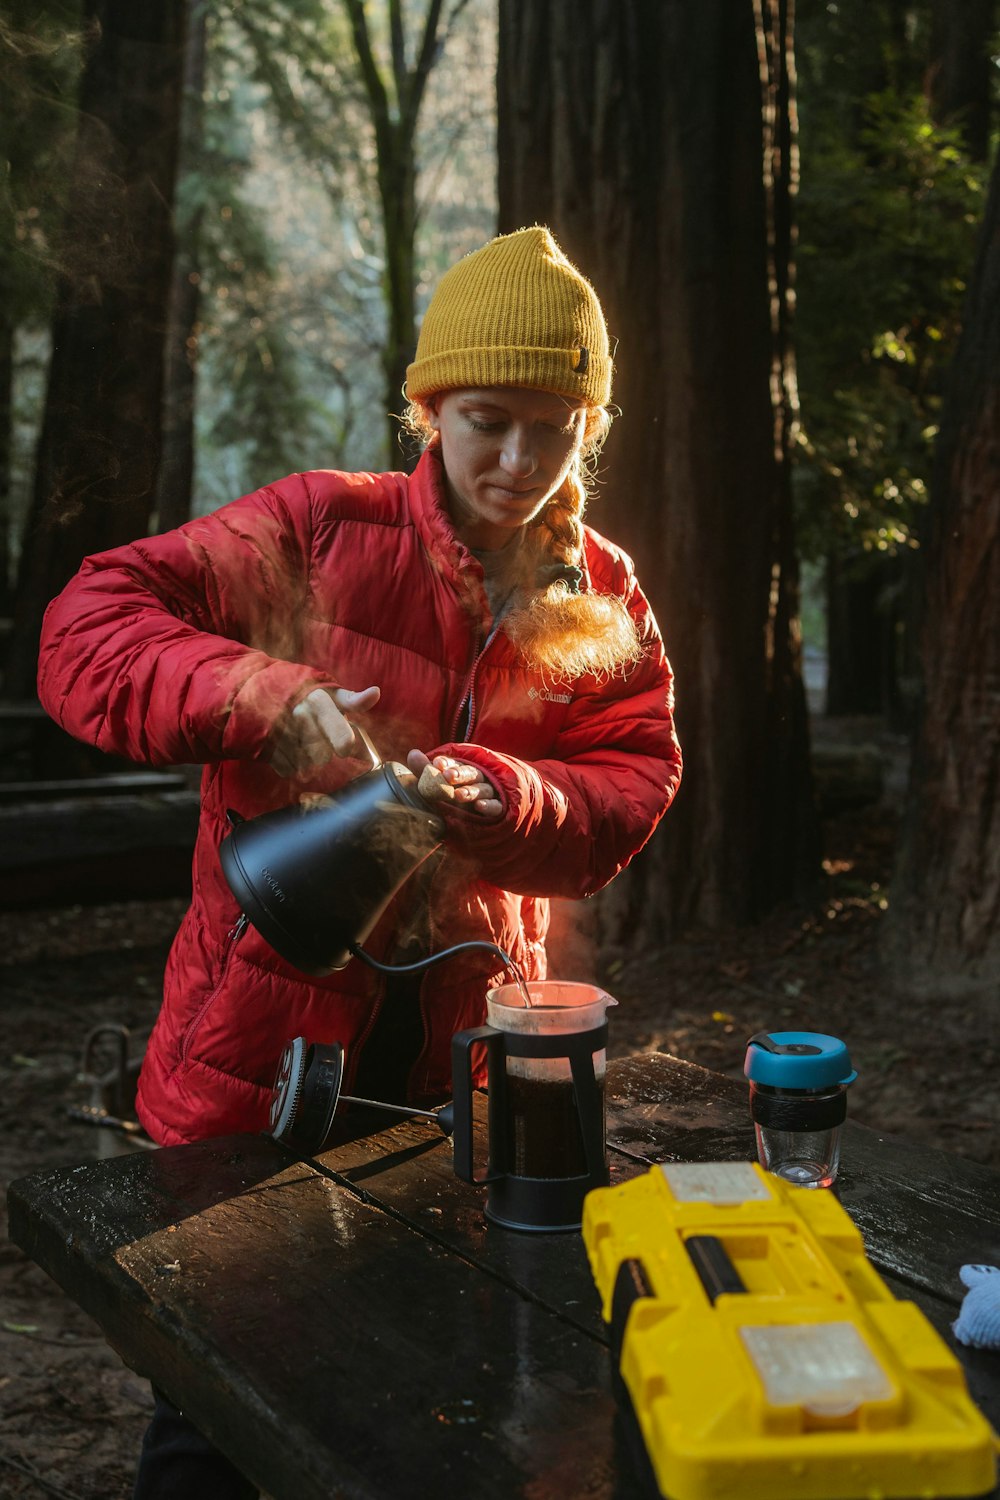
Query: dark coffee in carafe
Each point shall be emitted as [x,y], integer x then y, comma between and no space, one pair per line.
[544,1138]
[546,1053]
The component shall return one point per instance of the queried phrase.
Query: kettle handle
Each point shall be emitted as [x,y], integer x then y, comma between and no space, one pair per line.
[362,735]
[461,1069]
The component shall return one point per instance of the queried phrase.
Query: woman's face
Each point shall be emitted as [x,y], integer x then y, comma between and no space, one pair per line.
[505,452]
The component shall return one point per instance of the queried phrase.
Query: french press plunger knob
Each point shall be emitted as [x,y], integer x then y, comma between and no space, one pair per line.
[307,1092]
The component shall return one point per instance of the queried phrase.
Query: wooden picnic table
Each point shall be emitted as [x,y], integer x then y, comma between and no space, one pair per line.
[351,1326]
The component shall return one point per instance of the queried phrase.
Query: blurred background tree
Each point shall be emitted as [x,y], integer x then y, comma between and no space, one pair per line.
[99,440]
[674,194]
[282,296]
[943,933]
[389,109]
[892,194]
[40,61]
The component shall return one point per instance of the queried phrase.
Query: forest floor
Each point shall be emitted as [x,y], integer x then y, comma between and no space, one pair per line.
[73,1415]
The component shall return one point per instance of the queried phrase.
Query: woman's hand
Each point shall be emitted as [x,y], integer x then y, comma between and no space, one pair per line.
[456,784]
[316,731]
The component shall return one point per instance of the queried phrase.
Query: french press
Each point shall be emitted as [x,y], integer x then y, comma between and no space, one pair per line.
[546,1066]
[546,1108]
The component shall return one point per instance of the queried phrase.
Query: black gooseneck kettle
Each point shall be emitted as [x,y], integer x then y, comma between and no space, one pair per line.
[314,878]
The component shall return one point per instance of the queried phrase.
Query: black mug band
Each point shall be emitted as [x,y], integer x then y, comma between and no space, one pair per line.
[798,1111]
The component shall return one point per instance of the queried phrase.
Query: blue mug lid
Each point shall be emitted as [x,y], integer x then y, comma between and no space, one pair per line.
[797,1060]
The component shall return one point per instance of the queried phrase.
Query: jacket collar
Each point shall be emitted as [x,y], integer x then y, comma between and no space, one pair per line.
[429,508]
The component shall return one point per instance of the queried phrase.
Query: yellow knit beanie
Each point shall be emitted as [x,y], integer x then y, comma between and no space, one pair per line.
[514,313]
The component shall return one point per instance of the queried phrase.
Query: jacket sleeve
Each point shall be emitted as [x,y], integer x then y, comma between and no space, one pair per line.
[573,820]
[180,647]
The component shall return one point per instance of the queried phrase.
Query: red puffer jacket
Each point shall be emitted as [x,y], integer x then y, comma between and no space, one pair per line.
[189,648]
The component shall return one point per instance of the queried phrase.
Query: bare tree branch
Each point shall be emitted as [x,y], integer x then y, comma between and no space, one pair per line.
[398,41]
[426,58]
[314,141]
[450,19]
[378,97]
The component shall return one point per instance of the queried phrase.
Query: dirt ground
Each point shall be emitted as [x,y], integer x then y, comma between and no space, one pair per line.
[72,1415]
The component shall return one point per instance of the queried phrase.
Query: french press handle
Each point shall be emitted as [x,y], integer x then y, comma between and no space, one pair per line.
[462,1044]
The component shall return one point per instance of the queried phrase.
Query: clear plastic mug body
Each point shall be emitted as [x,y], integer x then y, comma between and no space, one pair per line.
[798,1133]
[809,1158]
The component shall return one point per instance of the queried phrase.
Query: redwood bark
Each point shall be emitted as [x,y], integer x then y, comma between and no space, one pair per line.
[6,447]
[864,601]
[100,440]
[655,137]
[943,933]
[175,478]
[959,78]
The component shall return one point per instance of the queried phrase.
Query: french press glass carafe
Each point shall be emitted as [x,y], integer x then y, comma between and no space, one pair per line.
[546,1111]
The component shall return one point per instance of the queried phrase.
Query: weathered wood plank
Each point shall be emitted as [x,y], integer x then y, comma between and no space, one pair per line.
[39,834]
[661,1108]
[923,1213]
[30,711]
[408,1169]
[85,849]
[323,1344]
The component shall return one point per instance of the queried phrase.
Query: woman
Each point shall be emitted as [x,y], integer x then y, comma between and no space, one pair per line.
[463,610]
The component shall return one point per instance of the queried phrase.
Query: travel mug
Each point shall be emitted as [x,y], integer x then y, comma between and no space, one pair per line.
[798,1103]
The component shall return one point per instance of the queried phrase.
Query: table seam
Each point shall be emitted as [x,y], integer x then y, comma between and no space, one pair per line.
[424,1232]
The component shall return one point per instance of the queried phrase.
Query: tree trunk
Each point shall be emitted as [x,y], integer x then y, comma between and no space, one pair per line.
[175,479]
[394,103]
[943,933]
[788,792]
[959,78]
[863,602]
[6,457]
[640,131]
[100,439]
[398,194]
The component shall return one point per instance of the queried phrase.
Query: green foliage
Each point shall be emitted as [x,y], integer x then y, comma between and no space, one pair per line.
[253,409]
[41,57]
[318,151]
[277,216]
[300,55]
[888,213]
[254,419]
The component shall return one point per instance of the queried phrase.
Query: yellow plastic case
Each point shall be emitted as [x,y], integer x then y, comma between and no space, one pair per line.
[762,1355]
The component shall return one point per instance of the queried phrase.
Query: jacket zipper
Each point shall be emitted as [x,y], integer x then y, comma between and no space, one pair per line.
[233,936]
[469,695]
